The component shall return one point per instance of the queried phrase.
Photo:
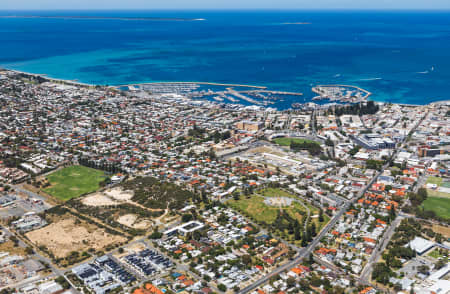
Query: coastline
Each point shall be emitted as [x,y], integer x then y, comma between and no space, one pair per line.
[77,83]
[44,76]
[290,58]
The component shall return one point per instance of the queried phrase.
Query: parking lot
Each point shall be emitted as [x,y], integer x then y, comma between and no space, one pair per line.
[410,268]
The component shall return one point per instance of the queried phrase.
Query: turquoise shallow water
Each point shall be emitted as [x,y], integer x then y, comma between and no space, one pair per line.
[401,57]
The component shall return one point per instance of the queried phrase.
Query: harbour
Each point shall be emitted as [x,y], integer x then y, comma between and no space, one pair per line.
[341,93]
[253,95]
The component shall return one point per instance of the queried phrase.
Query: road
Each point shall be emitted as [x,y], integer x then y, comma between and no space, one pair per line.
[302,253]
[379,249]
[56,271]
[313,122]
[43,259]
[420,182]
[308,250]
[338,270]
[31,195]
[382,244]
[22,283]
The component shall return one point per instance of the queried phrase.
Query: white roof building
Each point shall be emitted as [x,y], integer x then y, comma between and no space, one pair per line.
[420,245]
[436,276]
[440,287]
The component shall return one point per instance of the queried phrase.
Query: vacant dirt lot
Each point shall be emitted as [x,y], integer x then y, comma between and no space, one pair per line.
[259,150]
[70,234]
[108,197]
[445,231]
[98,199]
[132,221]
[9,247]
[119,194]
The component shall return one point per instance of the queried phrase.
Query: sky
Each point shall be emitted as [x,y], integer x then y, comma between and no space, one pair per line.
[223,4]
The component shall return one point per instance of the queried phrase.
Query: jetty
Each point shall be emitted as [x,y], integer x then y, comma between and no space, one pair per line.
[272,92]
[239,95]
[196,83]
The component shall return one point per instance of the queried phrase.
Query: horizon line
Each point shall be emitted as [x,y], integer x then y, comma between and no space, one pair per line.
[233,9]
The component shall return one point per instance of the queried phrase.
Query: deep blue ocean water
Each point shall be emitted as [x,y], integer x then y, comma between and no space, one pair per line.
[401,57]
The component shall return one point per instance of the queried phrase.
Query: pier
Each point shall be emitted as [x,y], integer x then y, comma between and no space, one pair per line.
[272,92]
[196,83]
[237,94]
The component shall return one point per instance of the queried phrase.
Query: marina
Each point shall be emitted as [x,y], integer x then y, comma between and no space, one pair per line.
[250,94]
[239,95]
[341,93]
[255,92]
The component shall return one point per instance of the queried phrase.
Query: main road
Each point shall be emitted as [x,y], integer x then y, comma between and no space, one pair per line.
[379,249]
[302,253]
[308,250]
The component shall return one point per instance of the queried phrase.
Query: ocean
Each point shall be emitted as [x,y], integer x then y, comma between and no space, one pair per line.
[399,56]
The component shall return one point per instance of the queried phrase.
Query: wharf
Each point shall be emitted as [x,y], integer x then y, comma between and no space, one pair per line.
[272,92]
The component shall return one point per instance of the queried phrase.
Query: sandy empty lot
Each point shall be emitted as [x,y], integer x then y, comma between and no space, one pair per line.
[445,231]
[131,220]
[264,149]
[109,197]
[65,236]
[119,194]
[98,199]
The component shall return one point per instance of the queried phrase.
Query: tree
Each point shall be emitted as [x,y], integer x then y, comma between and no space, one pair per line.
[311,259]
[290,282]
[392,213]
[422,192]
[246,259]
[63,282]
[423,269]
[381,273]
[222,287]
[186,217]
[297,233]
[417,198]
[29,250]
[305,239]
[156,234]
[440,264]
[328,142]
[354,150]
[397,287]
[312,147]
[313,229]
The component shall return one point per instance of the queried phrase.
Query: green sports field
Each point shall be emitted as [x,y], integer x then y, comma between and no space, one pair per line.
[434,180]
[287,141]
[257,210]
[441,206]
[74,181]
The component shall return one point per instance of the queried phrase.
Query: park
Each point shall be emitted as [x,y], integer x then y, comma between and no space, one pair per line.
[74,181]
